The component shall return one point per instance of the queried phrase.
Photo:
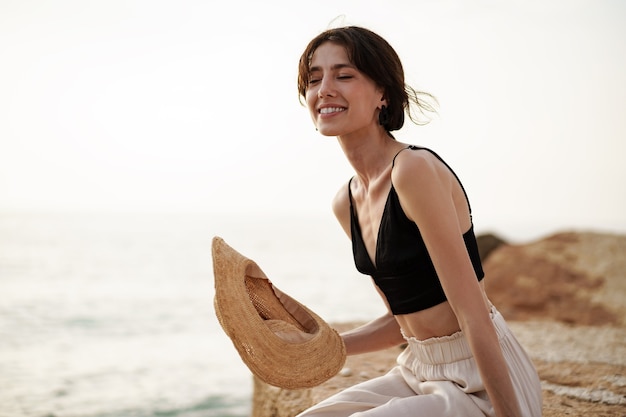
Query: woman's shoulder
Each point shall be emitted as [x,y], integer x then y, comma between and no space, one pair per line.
[415,164]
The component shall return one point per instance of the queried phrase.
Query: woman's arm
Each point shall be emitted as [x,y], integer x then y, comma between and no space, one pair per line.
[425,188]
[382,333]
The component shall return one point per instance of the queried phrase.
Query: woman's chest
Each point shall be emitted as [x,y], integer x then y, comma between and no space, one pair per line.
[370,214]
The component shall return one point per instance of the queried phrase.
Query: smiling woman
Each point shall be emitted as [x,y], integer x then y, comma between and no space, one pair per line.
[411,227]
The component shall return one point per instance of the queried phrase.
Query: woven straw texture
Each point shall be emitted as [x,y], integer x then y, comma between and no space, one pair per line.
[282,342]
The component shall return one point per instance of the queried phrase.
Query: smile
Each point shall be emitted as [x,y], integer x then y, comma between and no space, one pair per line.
[329,110]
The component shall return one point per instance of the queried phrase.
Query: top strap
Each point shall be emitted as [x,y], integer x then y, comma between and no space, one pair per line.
[412,147]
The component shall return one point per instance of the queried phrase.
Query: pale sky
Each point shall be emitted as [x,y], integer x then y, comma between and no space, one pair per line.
[140,105]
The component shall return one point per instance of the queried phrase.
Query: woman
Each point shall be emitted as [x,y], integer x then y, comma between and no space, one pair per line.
[411,228]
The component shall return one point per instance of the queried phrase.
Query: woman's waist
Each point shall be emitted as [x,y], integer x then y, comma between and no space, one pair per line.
[445,348]
[436,321]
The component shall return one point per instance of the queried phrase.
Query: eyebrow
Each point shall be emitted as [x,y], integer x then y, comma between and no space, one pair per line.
[334,67]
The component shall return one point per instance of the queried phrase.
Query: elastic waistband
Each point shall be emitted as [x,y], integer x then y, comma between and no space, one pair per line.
[447,349]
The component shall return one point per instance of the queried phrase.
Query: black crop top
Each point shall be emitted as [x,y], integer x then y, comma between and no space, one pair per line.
[404,271]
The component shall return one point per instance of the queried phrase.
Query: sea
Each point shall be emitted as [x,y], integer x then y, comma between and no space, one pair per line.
[111,315]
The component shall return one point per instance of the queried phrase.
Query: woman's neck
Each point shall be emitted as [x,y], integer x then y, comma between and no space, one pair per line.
[370,156]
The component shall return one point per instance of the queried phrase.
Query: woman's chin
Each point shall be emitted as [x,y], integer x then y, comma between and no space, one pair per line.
[327,131]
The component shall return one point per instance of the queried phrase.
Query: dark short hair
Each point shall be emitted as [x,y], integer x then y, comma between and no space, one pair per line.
[374,57]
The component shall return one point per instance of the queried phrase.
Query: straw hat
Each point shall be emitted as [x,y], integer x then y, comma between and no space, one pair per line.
[282,342]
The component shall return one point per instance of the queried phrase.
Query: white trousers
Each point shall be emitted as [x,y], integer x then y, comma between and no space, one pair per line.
[437,377]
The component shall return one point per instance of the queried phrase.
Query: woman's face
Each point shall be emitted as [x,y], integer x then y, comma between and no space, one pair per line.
[340,98]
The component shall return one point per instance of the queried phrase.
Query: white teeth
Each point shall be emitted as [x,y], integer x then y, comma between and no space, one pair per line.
[328,110]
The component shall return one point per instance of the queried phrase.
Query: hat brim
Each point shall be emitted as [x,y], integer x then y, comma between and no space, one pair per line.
[282,342]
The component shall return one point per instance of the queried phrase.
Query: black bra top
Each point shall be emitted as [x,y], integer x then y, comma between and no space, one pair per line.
[404,271]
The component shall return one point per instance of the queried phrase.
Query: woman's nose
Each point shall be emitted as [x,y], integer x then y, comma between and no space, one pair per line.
[326,88]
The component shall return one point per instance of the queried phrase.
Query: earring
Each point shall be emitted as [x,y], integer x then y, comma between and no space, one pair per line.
[383,116]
